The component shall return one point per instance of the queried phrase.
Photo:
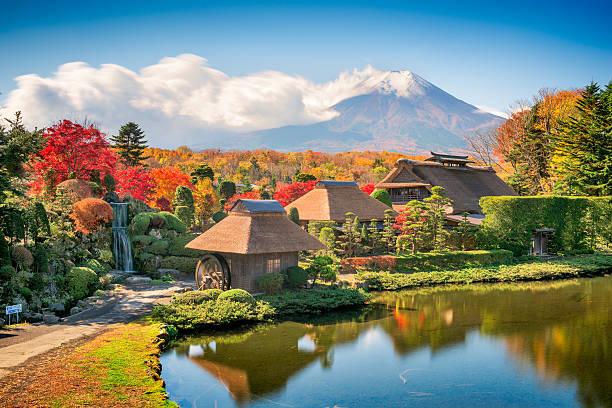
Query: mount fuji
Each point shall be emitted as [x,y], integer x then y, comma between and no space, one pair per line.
[396,111]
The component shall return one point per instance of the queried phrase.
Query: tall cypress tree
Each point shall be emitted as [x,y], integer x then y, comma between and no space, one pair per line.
[130,143]
[585,144]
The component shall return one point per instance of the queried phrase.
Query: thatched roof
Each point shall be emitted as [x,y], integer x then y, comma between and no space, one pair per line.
[255,227]
[464,184]
[331,200]
[448,158]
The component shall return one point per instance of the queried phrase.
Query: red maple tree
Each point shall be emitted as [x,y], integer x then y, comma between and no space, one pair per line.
[71,148]
[136,181]
[291,192]
[368,188]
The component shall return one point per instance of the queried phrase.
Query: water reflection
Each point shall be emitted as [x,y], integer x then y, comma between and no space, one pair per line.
[554,334]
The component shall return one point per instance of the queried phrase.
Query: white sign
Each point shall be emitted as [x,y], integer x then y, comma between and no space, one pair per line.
[13,309]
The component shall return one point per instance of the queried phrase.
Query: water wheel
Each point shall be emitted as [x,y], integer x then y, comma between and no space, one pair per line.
[212,272]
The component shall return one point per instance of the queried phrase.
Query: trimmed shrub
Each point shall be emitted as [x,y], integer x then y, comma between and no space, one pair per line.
[195,297]
[158,247]
[173,223]
[294,215]
[177,247]
[140,224]
[321,267]
[90,213]
[6,273]
[218,216]
[382,196]
[181,263]
[227,189]
[296,277]
[184,213]
[81,282]
[315,227]
[100,268]
[22,256]
[142,241]
[237,295]
[271,283]
[427,260]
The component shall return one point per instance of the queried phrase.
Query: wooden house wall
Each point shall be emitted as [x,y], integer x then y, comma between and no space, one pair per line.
[245,270]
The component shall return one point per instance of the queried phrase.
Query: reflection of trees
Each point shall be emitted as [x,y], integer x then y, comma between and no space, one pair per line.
[562,328]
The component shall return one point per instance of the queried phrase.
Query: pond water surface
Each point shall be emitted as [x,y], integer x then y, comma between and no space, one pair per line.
[513,345]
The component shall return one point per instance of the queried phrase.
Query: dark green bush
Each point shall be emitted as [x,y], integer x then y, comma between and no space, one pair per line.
[218,216]
[322,267]
[296,277]
[314,301]
[142,240]
[294,215]
[6,273]
[177,247]
[452,259]
[140,223]
[271,283]
[185,214]
[181,263]
[81,282]
[158,247]
[173,223]
[237,295]
[195,297]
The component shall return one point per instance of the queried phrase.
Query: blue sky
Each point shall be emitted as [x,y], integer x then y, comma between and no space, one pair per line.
[486,53]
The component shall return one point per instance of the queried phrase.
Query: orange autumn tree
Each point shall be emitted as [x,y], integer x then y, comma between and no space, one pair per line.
[165,182]
[89,214]
[204,200]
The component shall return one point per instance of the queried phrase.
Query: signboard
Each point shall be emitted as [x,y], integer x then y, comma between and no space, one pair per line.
[13,309]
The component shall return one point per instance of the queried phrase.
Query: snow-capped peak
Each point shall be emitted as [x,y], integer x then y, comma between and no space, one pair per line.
[400,83]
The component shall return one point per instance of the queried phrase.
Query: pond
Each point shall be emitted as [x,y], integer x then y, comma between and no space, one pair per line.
[538,344]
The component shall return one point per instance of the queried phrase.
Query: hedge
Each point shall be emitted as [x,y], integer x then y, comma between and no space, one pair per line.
[579,222]
[427,260]
[564,268]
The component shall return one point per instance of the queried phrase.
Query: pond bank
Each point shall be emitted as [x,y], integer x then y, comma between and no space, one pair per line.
[562,268]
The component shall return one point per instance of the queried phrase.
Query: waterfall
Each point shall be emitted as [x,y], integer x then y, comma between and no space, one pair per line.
[121,241]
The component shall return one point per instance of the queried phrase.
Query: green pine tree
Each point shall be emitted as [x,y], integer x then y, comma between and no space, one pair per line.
[130,144]
[436,205]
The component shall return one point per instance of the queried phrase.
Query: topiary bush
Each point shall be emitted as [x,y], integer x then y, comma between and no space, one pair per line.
[81,282]
[22,256]
[185,214]
[271,283]
[140,224]
[159,247]
[142,241]
[177,247]
[181,263]
[382,196]
[294,215]
[296,277]
[173,223]
[237,295]
[195,297]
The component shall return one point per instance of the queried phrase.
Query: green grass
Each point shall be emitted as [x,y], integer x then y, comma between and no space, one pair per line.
[571,267]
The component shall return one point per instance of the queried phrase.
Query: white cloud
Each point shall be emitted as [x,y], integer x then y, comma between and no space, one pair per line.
[493,111]
[180,99]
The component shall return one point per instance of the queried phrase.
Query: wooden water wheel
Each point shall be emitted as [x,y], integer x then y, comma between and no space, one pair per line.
[212,272]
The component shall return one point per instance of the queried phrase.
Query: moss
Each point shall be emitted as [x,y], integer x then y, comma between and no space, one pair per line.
[177,247]
[81,282]
[158,247]
[142,240]
[181,263]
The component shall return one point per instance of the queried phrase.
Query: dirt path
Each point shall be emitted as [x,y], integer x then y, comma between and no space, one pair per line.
[19,344]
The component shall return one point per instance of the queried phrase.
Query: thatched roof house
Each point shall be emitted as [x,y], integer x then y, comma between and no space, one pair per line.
[330,200]
[256,238]
[464,183]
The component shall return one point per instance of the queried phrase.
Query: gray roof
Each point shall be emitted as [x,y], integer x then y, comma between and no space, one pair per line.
[257,206]
[336,183]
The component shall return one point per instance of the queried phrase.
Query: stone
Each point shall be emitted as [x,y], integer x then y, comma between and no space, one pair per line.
[75,310]
[118,276]
[175,273]
[50,319]
[138,280]
[2,322]
[183,290]
[155,233]
[36,317]
[57,307]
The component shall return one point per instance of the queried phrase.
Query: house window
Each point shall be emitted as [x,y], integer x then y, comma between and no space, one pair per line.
[273,265]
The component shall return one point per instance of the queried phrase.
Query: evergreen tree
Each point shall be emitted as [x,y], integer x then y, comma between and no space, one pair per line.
[350,240]
[388,232]
[436,209]
[130,144]
[227,189]
[584,144]
[183,204]
[294,215]
[375,237]
[201,172]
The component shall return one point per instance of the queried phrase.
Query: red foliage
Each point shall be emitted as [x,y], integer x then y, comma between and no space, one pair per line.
[166,180]
[368,188]
[376,263]
[410,219]
[291,192]
[69,147]
[90,213]
[162,204]
[249,195]
[136,181]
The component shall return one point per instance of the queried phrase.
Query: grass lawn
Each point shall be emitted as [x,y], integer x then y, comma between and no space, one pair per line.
[117,368]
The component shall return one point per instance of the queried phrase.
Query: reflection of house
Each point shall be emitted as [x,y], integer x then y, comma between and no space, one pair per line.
[330,200]
[256,238]
[464,183]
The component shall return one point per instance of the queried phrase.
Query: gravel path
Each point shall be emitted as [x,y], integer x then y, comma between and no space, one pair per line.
[21,343]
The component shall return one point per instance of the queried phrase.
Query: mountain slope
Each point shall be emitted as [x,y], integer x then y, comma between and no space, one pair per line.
[397,111]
